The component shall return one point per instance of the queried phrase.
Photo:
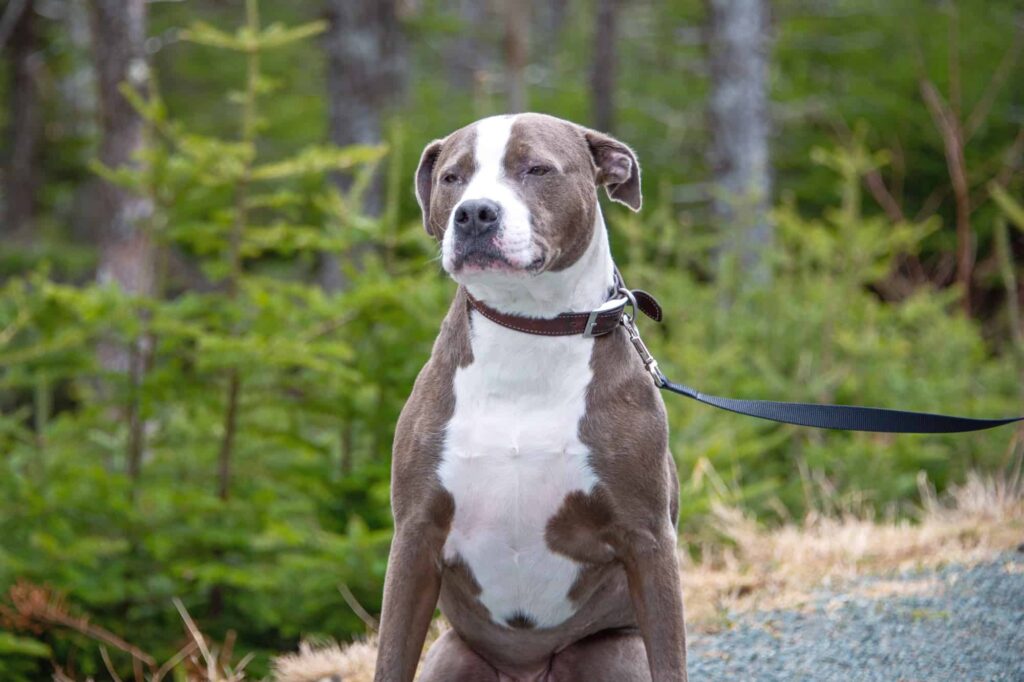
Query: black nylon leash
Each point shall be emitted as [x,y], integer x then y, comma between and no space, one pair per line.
[842,417]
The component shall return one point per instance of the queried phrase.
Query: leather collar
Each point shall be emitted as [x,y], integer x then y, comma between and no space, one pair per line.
[597,322]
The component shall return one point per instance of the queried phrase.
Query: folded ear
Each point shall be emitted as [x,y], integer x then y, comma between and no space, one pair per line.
[617,168]
[425,181]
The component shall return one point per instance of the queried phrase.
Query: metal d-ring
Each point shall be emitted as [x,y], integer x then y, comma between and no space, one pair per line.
[632,304]
[629,322]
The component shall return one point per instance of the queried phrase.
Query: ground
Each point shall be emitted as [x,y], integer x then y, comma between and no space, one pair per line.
[956,623]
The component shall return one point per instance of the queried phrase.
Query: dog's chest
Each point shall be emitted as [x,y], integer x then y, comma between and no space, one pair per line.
[512,454]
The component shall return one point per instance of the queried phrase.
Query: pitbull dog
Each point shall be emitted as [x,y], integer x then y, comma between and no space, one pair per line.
[533,491]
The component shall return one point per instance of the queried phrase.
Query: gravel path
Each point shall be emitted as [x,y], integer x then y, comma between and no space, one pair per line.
[956,624]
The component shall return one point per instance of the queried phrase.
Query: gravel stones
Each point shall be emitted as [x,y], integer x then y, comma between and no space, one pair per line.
[958,624]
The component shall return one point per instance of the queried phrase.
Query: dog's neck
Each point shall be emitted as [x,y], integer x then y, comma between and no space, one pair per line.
[582,286]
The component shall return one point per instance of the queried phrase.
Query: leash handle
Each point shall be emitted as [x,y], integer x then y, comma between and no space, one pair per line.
[842,417]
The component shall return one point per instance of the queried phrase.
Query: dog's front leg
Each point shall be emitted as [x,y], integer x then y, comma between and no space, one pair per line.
[652,570]
[410,595]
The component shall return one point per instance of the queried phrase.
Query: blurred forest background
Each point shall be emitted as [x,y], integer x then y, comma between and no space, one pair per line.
[215,289]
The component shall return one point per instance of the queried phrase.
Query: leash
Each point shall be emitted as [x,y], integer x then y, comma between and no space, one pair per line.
[841,417]
[609,316]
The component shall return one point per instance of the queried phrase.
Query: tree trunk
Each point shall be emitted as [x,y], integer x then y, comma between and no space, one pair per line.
[365,77]
[470,54]
[126,253]
[602,76]
[126,250]
[76,111]
[550,19]
[22,167]
[738,112]
[517,31]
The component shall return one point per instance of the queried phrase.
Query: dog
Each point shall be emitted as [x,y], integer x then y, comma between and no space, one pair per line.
[533,492]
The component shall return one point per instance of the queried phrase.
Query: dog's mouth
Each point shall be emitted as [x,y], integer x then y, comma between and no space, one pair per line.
[487,257]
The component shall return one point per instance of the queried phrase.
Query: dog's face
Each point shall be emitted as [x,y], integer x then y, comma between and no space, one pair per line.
[514,196]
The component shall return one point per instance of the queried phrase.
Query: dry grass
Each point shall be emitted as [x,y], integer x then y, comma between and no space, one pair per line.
[779,568]
[34,608]
[328,661]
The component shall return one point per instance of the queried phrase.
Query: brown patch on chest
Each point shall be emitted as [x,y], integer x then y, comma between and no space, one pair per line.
[521,621]
[460,576]
[460,593]
[584,530]
[582,526]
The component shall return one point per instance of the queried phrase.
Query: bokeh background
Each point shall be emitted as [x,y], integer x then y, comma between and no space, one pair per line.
[215,289]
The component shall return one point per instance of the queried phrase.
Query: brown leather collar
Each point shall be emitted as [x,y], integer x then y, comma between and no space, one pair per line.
[597,322]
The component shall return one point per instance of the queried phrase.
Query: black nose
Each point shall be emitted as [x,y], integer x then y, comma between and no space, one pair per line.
[477,217]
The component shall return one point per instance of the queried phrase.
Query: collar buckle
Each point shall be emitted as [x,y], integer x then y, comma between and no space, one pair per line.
[610,306]
[588,331]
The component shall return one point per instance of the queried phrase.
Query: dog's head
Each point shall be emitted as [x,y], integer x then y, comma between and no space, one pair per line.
[515,196]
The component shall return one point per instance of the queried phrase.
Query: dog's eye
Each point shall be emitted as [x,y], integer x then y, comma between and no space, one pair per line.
[449,178]
[538,170]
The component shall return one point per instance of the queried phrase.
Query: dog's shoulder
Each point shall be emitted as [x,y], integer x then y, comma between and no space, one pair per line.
[626,431]
[419,434]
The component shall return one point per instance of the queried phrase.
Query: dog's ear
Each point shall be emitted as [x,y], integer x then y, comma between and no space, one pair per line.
[617,168]
[425,181]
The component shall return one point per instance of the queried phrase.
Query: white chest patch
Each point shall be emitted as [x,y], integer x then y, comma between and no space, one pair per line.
[512,453]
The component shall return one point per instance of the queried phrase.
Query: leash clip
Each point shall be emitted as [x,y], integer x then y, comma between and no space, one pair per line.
[629,322]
